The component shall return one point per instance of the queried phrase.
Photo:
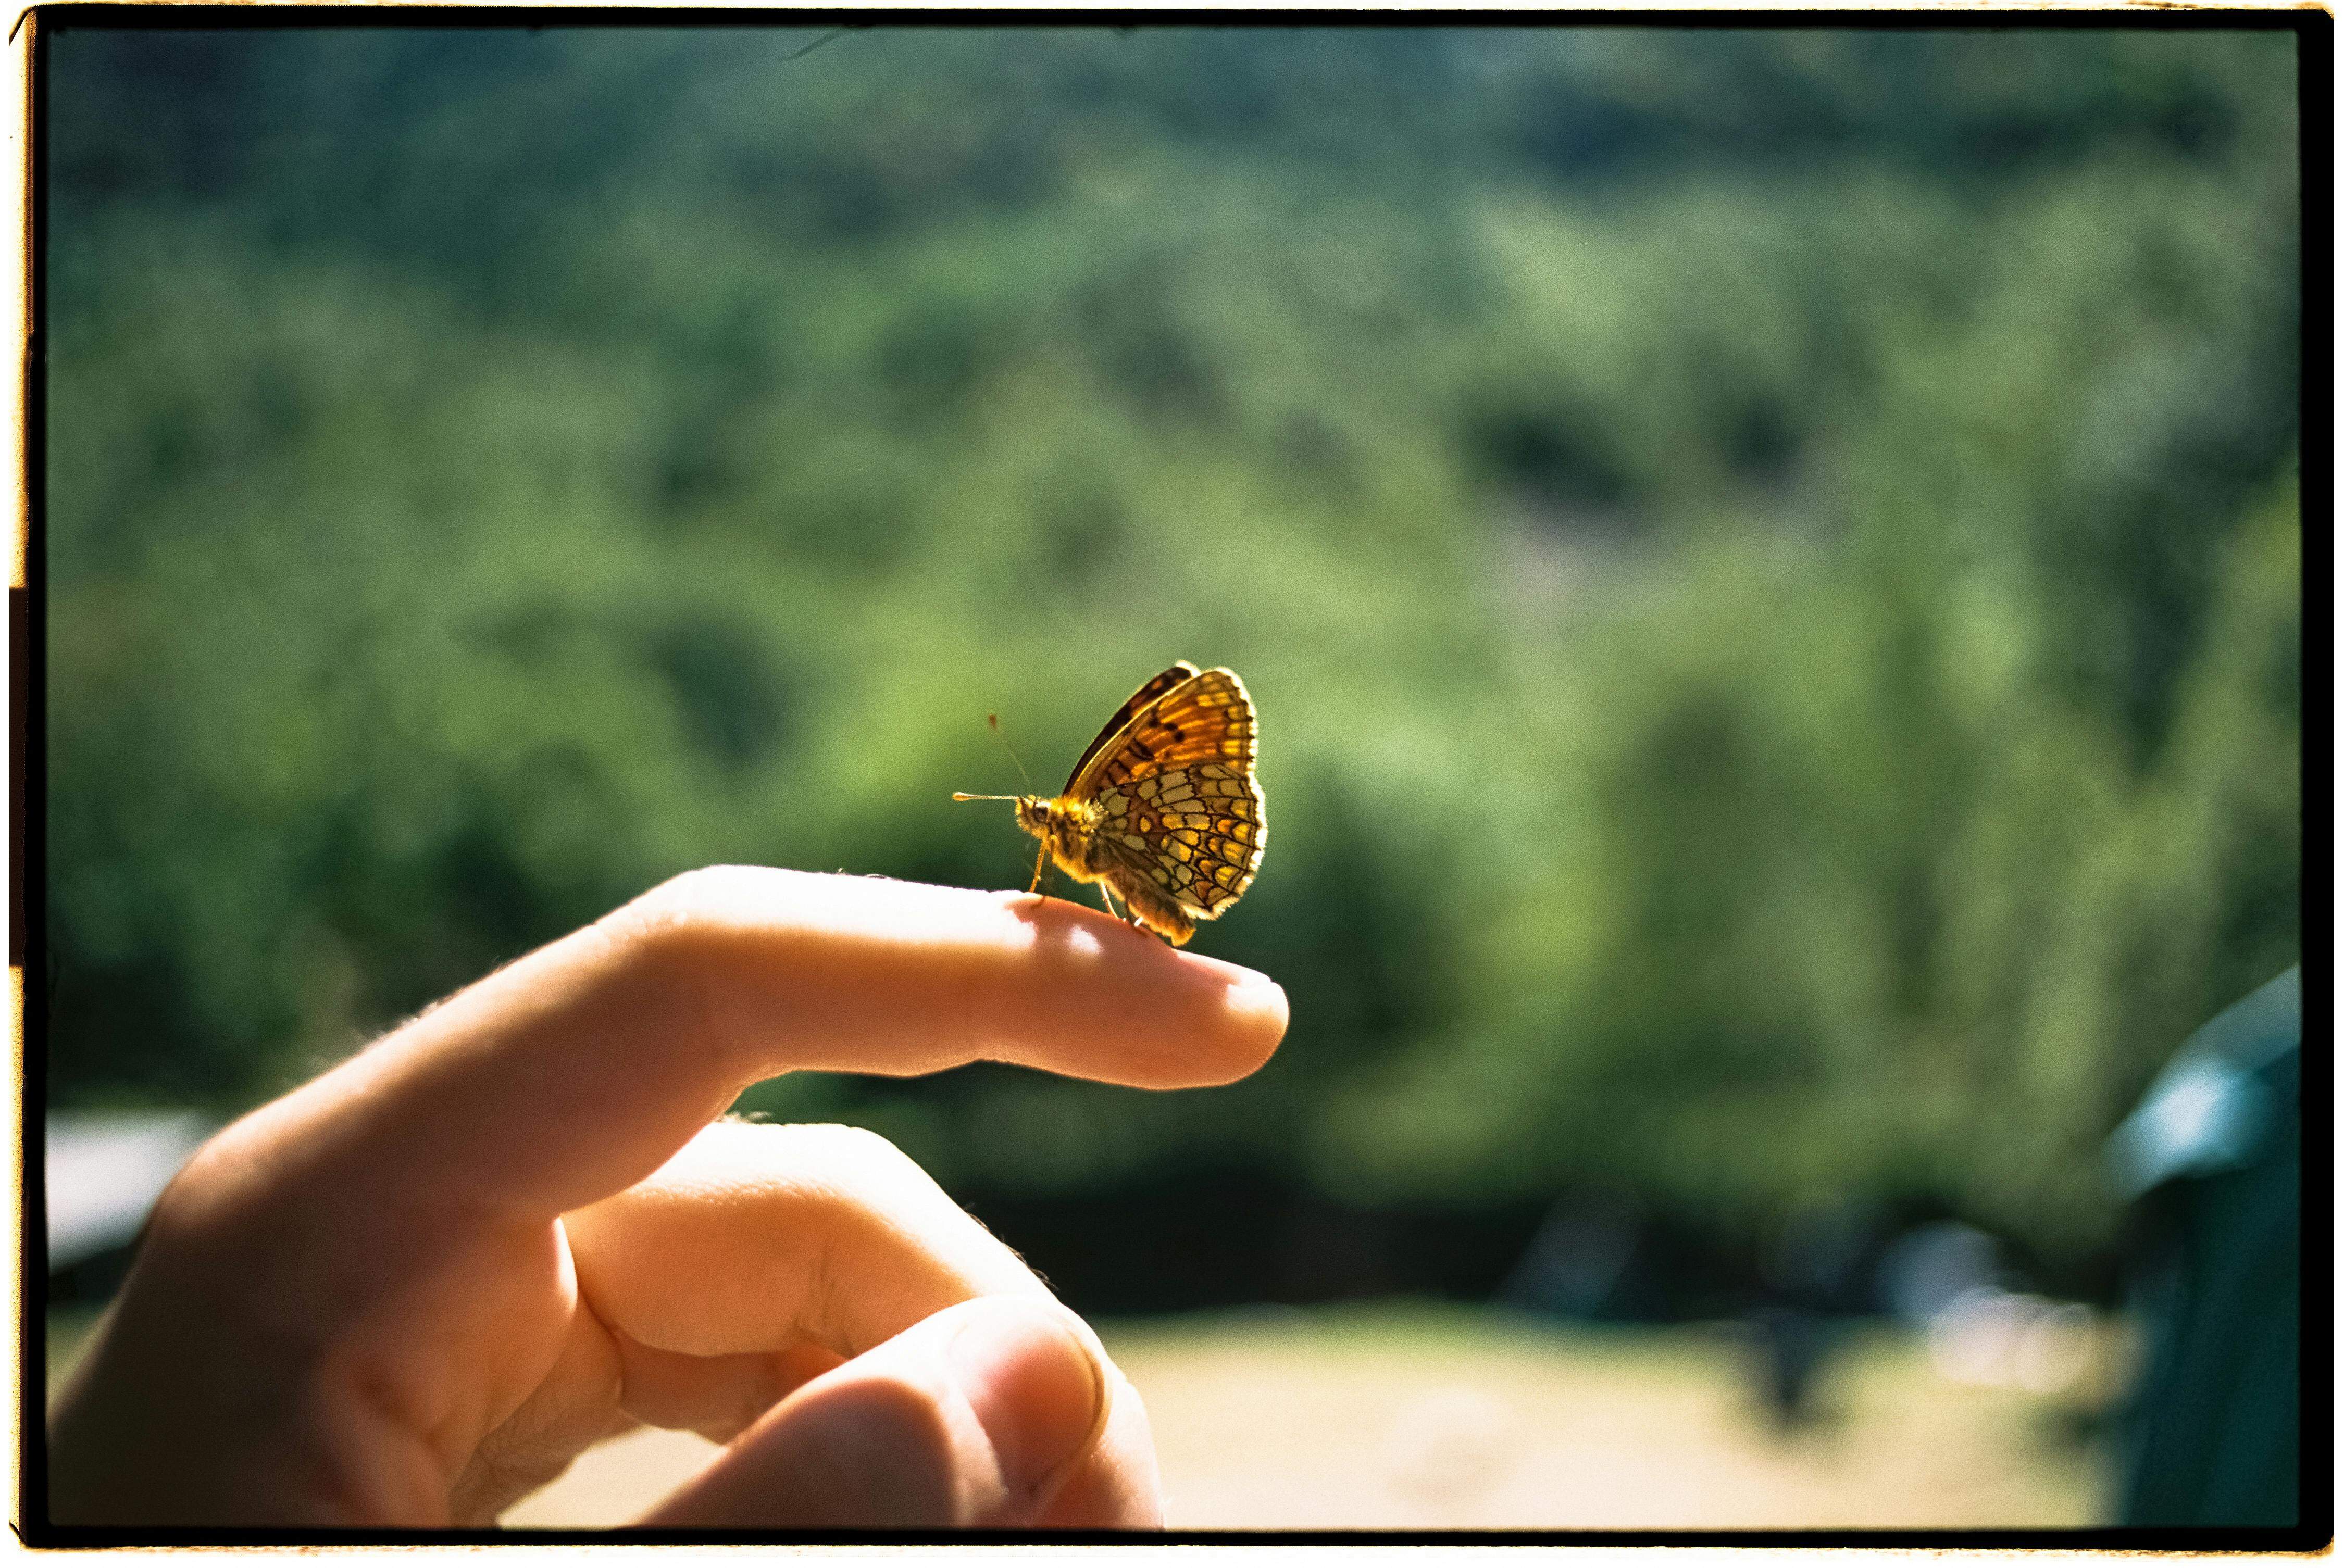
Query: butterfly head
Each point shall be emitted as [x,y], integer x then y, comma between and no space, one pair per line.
[1065,828]
[1049,820]
[1033,815]
[1063,823]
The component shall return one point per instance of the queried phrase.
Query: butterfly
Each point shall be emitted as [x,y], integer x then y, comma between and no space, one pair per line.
[1163,808]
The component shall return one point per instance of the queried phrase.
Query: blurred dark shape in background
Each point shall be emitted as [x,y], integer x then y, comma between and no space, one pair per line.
[2213,1160]
[1769,561]
[1931,1267]
[1819,1272]
[1789,1346]
[1581,1262]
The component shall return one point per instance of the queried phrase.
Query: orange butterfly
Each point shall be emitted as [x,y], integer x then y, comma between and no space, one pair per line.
[1163,808]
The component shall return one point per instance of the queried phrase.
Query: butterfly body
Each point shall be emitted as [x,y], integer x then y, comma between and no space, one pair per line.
[1163,808]
[1071,831]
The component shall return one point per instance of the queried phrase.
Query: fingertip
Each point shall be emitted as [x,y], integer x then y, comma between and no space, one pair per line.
[1255,1013]
[1035,1387]
[1081,992]
[1120,1488]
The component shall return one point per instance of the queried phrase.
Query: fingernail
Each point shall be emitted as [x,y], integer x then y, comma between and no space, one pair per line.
[1034,1386]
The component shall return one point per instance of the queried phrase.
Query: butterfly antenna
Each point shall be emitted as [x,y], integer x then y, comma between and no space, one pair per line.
[993,722]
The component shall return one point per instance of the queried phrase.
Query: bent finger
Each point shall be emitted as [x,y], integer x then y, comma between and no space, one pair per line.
[973,1417]
[756,1238]
[759,1255]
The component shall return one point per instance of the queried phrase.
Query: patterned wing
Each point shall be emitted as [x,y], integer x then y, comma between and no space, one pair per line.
[1176,795]
[1137,700]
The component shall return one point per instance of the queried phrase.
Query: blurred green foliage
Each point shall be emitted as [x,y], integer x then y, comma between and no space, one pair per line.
[1769,560]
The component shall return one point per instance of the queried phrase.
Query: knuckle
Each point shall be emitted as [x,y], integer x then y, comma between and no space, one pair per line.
[859,1146]
[662,940]
[865,1167]
[672,907]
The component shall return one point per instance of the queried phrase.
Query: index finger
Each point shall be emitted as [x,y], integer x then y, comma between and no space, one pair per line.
[579,1070]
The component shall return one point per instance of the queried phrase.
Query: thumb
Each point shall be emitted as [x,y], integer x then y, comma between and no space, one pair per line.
[970,1418]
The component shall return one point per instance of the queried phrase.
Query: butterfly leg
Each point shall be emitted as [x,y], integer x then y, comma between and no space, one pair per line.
[1040,856]
[1128,915]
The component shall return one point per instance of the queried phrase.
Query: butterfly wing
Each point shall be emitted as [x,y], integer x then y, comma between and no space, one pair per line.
[1146,694]
[1178,798]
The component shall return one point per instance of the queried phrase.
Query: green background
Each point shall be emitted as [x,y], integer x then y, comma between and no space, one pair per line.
[1768,562]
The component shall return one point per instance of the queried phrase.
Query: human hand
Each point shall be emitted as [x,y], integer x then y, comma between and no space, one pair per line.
[413,1289]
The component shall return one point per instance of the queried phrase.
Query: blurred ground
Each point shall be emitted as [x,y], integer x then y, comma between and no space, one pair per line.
[1453,1421]
[1412,1417]
[1430,1419]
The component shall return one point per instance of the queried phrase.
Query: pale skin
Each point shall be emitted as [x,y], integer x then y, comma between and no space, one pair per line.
[413,1289]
